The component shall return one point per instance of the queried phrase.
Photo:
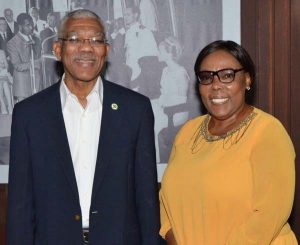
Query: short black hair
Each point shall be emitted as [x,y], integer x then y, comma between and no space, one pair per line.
[238,52]
[22,17]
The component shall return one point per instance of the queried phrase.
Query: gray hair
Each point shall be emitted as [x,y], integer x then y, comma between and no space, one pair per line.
[78,14]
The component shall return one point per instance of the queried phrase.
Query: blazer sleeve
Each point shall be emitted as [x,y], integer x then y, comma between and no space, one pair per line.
[146,179]
[272,162]
[15,58]
[20,216]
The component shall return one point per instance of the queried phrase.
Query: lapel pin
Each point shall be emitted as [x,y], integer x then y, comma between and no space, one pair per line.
[114,106]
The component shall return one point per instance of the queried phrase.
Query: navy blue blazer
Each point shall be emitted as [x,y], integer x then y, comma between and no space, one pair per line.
[43,200]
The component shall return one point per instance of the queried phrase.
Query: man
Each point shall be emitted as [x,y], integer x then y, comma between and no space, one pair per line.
[82,163]
[13,27]
[141,53]
[38,24]
[117,69]
[50,31]
[148,15]
[48,36]
[24,50]
[5,36]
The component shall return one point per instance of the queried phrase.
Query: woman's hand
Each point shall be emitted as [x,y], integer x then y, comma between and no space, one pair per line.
[170,238]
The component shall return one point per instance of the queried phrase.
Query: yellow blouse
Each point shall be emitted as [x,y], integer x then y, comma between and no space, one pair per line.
[230,193]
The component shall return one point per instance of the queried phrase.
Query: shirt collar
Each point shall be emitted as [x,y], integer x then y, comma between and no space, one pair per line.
[27,38]
[65,92]
[135,26]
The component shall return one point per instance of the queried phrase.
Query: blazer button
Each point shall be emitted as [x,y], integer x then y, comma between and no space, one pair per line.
[77,217]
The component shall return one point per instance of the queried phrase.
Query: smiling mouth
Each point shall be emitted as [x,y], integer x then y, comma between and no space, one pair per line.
[219,101]
[85,61]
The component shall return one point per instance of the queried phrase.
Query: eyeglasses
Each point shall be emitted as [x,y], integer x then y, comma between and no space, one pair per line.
[93,41]
[225,75]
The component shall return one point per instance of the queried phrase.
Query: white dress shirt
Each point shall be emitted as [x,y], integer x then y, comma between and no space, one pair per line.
[11,26]
[83,130]
[27,38]
[4,36]
[139,42]
[40,26]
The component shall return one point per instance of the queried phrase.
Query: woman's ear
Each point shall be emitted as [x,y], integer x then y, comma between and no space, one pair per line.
[248,81]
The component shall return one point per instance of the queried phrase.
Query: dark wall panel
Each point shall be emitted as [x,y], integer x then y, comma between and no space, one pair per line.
[271,33]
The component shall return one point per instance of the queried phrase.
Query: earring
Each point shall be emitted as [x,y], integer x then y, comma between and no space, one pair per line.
[248,88]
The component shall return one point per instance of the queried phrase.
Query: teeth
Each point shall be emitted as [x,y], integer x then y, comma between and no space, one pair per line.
[219,101]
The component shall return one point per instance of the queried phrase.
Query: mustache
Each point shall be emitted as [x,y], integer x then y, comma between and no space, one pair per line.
[84,56]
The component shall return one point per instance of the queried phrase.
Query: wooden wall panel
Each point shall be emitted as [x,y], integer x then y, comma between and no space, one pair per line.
[282,64]
[264,54]
[3,208]
[271,33]
[295,103]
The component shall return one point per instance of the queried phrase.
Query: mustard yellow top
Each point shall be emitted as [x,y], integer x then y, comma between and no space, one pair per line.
[237,192]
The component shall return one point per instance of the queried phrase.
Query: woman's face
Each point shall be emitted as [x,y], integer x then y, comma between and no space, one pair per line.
[224,101]
[163,54]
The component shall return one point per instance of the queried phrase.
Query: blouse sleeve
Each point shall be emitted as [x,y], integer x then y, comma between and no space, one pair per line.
[272,162]
[165,224]
[164,219]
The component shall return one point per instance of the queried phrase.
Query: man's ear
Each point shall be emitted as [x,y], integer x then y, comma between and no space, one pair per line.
[107,49]
[57,48]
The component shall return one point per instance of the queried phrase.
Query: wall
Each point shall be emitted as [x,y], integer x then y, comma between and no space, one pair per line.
[271,33]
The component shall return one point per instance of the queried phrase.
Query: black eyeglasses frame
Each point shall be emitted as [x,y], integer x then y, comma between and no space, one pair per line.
[216,73]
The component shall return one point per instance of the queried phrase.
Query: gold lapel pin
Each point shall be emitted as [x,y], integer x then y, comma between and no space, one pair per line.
[114,106]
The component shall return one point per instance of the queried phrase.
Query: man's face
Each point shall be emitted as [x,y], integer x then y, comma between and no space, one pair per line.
[51,21]
[27,27]
[82,61]
[34,13]
[8,14]
[3,26]
[130,17]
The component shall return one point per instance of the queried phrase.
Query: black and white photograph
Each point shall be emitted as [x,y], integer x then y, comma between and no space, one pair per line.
[153,46]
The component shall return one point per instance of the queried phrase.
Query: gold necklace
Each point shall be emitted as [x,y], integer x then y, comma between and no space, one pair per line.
[232,136]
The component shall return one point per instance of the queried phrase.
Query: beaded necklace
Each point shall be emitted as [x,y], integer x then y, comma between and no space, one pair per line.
[230,138]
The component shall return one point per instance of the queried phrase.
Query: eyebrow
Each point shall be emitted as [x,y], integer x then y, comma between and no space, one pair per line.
[77,34]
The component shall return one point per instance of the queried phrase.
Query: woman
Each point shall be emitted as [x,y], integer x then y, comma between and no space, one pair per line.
[174,84]
[230,178]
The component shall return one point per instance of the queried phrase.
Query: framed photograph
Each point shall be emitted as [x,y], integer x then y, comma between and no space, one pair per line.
[154,44]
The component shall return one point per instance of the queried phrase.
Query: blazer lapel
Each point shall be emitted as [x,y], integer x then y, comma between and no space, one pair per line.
[55,127]
[109,121]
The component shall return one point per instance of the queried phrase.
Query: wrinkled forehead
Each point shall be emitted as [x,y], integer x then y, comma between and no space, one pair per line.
[83,27]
